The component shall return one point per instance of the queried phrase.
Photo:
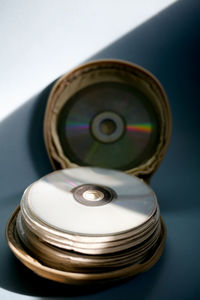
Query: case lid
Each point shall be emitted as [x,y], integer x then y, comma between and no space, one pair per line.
[110,114]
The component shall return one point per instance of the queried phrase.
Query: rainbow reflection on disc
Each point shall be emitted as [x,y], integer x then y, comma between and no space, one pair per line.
[109,125]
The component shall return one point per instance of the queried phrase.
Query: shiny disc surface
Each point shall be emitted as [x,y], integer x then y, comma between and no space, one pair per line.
[110,125]
[51,200]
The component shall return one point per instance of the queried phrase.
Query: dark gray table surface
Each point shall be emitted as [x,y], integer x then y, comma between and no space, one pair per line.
[168,45]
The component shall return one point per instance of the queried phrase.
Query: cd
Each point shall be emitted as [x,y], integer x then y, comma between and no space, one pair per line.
[75,261]
[115,123]
[89,223]
[90,202]
[89,248]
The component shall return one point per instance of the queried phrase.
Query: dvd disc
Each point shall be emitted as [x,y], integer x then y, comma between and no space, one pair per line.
[89,222]
[75,261]
[107,118]
[53,201]
[108,114]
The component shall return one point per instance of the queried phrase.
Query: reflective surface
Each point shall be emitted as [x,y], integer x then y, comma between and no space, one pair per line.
[115,124]
[65,233]
[51,201]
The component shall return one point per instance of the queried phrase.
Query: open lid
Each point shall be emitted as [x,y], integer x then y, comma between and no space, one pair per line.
[109,114]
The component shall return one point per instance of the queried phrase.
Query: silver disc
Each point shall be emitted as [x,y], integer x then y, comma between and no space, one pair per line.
[90,202]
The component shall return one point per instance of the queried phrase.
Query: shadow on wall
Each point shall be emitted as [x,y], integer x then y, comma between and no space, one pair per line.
[22,153]
[168,45]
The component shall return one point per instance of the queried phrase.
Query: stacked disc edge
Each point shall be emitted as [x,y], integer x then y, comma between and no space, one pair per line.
[90,222]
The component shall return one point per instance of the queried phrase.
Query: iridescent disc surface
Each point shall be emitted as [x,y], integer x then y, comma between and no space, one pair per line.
[110,125]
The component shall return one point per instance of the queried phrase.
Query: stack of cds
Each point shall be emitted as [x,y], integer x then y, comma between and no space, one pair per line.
[90,221]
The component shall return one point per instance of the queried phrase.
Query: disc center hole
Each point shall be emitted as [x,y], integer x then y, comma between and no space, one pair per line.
[107,126]
[93,195]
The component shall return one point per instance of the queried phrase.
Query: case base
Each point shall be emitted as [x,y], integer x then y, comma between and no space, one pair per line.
[72,278]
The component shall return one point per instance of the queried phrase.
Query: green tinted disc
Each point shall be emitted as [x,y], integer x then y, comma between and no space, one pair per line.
[109,125]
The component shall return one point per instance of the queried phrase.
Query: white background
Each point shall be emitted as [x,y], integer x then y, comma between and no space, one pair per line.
[42,39]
